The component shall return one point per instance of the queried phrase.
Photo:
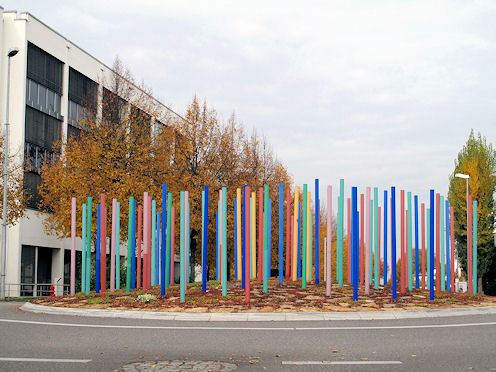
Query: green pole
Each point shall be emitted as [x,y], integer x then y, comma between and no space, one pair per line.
[224,241]
[83,251]
[410,266]
[168,241]
[118,245]
[376,240]
[304,240]
[154,233]
[428,250]
[88,247]
[129,244]
[474,258]
[441,226]
[340,232]
[181,249]
[266,238]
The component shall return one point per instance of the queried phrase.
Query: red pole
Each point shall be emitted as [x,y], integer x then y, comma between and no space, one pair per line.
[103,245]
[470,240]
[402,257]
[452,233]
[247,244]
[260,234]
[173,235]
[288,234]
[348,240]
[149,250]
[362,247]
[422,212]
[138,248]
[438,256]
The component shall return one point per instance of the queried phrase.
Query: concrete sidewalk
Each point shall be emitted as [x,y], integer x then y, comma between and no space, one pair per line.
[258,317]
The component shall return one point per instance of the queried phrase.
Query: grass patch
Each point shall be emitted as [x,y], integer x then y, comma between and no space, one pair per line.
[18,299]
[99,300]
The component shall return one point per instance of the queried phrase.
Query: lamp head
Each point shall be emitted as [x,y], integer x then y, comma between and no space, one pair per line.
[13,52]
[461,175]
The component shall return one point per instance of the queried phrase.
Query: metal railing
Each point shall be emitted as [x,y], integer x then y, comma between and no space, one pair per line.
[35,289]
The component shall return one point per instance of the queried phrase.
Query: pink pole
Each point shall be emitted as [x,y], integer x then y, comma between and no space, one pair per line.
[403,259]
[145,240]
[470,245]
[329,241]
[103,246]
[138,248]
[288,233]
[452,233]
[186,240]
[247,255]
[422,211]
[149,255]
[348,240]
[112,248]
[73,247]
[367,244]
[379,239]
[173,235]
[362,243]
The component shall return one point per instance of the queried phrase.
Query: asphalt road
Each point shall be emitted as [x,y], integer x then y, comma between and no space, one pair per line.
[70,343]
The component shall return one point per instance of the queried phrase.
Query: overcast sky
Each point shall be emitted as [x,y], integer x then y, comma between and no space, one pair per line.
[379,93]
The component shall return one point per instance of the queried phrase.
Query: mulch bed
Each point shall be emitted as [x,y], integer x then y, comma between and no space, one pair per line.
[287,298]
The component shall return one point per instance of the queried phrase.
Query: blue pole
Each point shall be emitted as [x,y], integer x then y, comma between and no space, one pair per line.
[133,258]
[281,227]
[317,232]
[354,235]
[385,238]
[98,219]
[243,238]
[417,284]
[431,247]
[299,240]
[163,248]
[205,242]
[393,242]
[448,258]
[235,238]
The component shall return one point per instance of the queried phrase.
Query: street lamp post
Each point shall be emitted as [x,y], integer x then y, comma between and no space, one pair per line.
[466,177]
[12,52]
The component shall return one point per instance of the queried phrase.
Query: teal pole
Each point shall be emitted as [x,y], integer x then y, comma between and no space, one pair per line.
[168,262]
[118,245]
[88,246]
[83,251]
[340,232]
[441,226]
[474,248]
[410,266]
[266,238]
[224,241]
[152,248]
[304,250]
[181,249]
[376,240]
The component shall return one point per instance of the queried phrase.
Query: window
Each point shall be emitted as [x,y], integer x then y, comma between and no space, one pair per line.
[36,271]
[43,99]
[41,129]
[44,68]
[114,107]
[82,90]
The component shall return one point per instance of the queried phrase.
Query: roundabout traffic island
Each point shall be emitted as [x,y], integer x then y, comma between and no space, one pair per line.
[287,298]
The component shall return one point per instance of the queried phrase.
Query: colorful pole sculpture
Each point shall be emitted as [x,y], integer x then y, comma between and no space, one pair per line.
[441,232]
[281,228]
[169,245]
[317,232]
[328,241]
[309,238]
[224,241]
[438,261]
[247,244]
[83,250]
[409,247]
[217,240]
[474,249]
[294,257]
[470,241]
[376,240]
[261,240]
[129,244]
[288,233]
[146,237]
[269,232]
[340,233]
[266,239]
[415,202]
[112,247]
[181,250]
[354,235]
[452,233]
[304,246]
[97,250]
[393,242]
[422,214]
[385,259]
[205,237]
[118,245]
[88,245]
[164,279]
[431,247]
[103,245]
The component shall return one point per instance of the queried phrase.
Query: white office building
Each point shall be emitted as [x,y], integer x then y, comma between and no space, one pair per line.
[49,77]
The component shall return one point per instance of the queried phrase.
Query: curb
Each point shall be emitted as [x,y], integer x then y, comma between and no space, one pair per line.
[258,317]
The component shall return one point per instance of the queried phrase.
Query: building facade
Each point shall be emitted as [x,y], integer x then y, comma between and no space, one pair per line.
[49,78]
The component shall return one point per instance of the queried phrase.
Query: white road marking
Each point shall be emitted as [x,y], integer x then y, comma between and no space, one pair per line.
[341,362]
[5,359]
[345,328]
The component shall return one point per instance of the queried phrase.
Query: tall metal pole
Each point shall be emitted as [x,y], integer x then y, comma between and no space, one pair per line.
[11,54]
